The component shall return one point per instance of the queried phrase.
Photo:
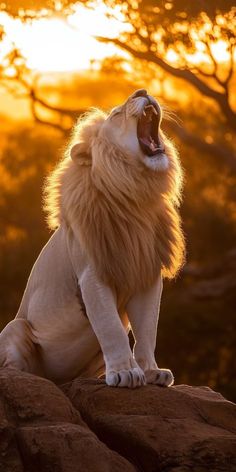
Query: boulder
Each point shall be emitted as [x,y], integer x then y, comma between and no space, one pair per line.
[86,426]
[176,429]
[40,430]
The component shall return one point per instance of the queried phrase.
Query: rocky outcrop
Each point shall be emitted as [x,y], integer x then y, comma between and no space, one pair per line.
[86,426]
[41,431]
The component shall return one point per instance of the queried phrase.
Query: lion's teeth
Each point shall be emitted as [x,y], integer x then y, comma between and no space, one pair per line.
[153,147]
[152,108]
[144,113]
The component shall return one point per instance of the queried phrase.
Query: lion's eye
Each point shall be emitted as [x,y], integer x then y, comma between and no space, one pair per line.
[115,111]
[115,114]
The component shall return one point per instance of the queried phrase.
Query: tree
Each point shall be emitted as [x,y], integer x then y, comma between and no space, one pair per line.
[184,29]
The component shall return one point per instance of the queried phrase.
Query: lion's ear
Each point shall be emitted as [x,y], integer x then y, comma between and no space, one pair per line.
[78,154]
[76,151]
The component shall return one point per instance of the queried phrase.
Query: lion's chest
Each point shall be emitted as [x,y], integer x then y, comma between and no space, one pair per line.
[127,255]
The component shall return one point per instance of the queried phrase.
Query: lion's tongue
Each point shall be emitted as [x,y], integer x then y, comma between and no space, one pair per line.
[144,131]
[146,142]
[149,142]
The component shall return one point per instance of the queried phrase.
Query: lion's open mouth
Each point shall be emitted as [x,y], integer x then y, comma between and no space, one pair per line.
[148,131]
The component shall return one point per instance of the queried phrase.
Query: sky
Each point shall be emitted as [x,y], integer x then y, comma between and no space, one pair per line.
[63,45]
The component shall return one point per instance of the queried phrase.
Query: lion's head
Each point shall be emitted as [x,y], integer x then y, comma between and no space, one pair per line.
[133,128]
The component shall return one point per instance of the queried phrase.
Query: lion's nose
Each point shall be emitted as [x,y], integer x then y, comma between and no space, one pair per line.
[140,93]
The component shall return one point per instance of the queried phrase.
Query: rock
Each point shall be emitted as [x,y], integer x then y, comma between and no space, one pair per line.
[86,426]
[177,429]
[40,430]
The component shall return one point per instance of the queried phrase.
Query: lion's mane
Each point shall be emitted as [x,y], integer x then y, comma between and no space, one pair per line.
[124,215]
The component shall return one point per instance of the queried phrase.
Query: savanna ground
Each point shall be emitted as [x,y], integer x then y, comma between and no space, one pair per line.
[184,54]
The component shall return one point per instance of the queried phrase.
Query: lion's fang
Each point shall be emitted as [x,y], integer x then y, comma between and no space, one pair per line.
[152,108]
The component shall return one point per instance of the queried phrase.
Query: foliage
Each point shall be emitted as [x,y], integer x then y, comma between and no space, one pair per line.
[159,28]
[25,160]
[29,9]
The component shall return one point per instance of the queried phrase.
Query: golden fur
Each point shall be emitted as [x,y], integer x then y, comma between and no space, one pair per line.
[123,214]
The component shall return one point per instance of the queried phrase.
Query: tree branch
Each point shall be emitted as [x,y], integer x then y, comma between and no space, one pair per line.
[65,111]
[222,153]
[31,94]
[185,74]
[231,67]
[45,122]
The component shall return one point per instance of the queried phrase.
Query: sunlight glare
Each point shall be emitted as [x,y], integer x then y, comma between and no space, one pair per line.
[56,45]
[96,23]
[219,50]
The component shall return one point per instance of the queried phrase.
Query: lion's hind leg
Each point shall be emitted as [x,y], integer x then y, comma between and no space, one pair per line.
[18,349]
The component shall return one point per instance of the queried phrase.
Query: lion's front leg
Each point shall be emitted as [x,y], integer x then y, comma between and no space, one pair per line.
[143,313]
[121,368]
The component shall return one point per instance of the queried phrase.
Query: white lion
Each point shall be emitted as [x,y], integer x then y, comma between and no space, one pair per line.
[113,199]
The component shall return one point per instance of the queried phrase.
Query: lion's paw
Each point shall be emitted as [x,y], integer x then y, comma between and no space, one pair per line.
[131,378]
[162,377]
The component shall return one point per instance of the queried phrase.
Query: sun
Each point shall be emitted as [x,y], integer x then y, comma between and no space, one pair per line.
[54,45]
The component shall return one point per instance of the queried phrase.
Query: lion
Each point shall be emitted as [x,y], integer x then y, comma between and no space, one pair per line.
[113,203]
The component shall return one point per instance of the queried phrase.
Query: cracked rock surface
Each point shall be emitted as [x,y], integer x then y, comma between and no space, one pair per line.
[40,430]
[86,426]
